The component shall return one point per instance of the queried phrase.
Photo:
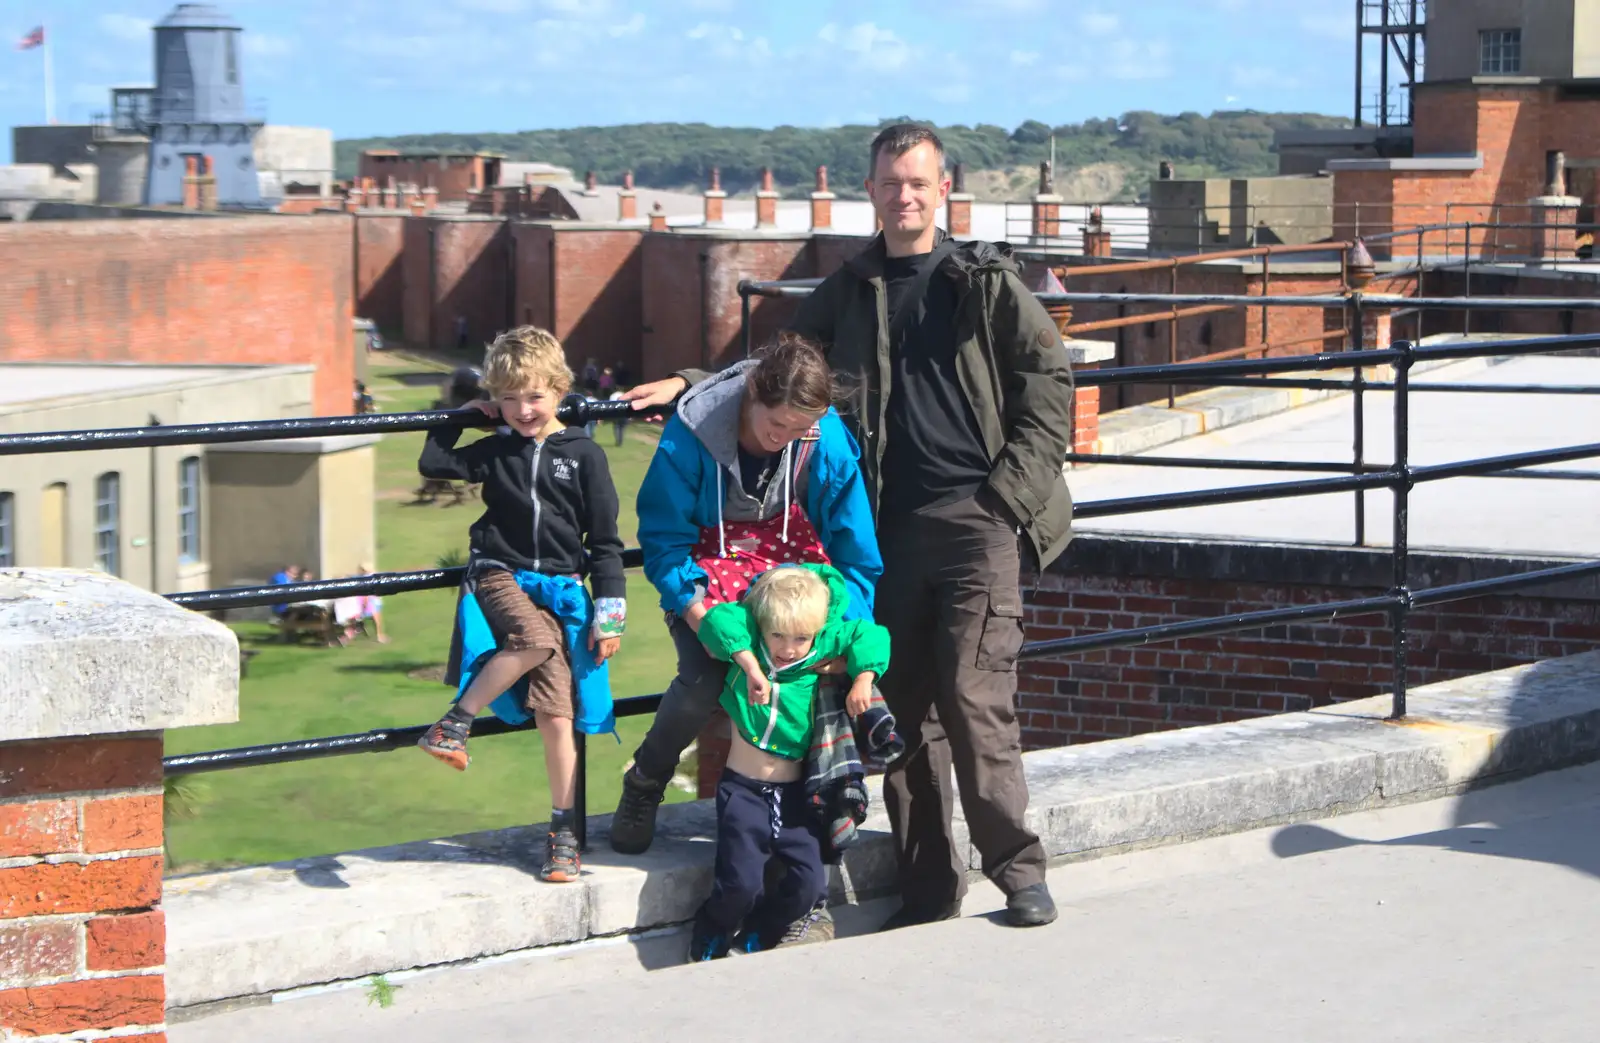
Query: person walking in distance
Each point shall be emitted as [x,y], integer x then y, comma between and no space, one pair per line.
[964,416]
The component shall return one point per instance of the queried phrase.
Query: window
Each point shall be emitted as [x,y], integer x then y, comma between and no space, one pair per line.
[1500,52]
[189,509]
[8,531]
[108,523]
[232,58]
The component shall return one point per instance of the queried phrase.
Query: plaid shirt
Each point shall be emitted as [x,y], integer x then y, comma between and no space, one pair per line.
[835,778]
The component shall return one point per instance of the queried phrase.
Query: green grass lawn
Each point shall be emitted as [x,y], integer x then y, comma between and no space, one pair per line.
[262,814]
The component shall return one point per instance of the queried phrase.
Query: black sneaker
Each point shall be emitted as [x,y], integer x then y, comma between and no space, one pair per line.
[1030,907]
[812,928]
[706,942]
[915,916]
[633,827]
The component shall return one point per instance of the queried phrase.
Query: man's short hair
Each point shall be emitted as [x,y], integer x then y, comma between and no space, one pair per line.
[899,138]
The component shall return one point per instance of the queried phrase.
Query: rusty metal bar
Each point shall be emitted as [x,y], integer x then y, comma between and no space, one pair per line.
[1137,320]
[1172,341]
[1160,263]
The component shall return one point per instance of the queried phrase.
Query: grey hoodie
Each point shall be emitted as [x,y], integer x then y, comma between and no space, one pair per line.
[710,410]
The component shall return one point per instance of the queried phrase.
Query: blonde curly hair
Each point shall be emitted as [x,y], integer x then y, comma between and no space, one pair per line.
[523,358]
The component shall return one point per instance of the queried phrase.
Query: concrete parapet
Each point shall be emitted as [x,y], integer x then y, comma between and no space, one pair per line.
[92,669]
[256,931]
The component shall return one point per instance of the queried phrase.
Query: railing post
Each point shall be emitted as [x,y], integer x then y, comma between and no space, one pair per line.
[1400,614]
[1172,339]
[1357,322]
[744,318]
[1466,286]
[580,790]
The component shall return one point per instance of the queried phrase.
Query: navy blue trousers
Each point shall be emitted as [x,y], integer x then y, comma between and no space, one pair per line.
[758,821]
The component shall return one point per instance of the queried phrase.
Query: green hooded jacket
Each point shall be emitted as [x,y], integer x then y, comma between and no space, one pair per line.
[783,726]
[1010,361]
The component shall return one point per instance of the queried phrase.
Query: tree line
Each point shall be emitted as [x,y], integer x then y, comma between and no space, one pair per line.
[673,155]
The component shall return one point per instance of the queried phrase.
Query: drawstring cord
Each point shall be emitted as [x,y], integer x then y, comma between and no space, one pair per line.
[722,539]
[787,469]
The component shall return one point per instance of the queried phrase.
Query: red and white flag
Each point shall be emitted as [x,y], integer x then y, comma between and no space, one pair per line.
[32,40]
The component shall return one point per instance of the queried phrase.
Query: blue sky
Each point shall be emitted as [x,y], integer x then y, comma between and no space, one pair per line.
[389,66]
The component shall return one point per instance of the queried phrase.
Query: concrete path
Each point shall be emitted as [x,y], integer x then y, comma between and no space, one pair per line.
[1500,514]
[1471,918]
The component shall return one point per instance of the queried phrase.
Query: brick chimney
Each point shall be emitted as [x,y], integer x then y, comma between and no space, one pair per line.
[208,185]
[1096,240]
[391,194]
[590,183]
[418,207]
[354,198]
[766,201]
[1046,205]
[958,206]
[658,219]
[191,182]
[627,199]
[714,197]
[430,198]
[821,202]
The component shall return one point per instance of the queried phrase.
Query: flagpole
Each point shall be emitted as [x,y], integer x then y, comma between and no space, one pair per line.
[49,82]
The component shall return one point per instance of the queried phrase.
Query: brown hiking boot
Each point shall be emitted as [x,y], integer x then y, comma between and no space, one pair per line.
[815,926]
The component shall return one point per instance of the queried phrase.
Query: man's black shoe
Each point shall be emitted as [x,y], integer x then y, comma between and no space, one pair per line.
[914,916]
[1030,907]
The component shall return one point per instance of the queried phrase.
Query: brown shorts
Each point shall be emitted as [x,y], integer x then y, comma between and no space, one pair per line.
[518,624]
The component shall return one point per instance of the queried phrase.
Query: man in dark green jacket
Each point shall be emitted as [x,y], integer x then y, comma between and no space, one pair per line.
[963,412]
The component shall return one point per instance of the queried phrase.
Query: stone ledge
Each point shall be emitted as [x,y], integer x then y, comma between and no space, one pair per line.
[270,928]
[84,653]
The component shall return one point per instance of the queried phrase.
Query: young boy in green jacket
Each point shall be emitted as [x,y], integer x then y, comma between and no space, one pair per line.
[791,619]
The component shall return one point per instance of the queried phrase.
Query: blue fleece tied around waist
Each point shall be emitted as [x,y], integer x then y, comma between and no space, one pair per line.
[566,598]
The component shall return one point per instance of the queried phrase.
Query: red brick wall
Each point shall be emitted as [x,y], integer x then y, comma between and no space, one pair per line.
[380,279]
[416,278]
[82,938]
[674,293]
[1111,585]
[454,177]
[599,291]
[471,279]
[229,290]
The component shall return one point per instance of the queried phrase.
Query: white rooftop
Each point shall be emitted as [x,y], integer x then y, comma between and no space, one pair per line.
[1534,515]
[34,384]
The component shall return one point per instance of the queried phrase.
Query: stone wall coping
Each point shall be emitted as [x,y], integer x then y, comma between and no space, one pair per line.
[83,653]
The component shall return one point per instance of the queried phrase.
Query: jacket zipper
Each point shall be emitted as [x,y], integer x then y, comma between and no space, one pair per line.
[777,688]
[533,491]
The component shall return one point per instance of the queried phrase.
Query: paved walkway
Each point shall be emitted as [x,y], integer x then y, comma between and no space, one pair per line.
[1490,514]
[1464,919]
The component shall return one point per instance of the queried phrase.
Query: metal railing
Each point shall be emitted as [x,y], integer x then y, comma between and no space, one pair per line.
[1400,476]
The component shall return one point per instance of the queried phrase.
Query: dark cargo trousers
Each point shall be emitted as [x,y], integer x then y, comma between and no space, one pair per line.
[951,601]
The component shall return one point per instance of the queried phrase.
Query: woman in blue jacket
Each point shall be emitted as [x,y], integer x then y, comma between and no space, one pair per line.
[755,469]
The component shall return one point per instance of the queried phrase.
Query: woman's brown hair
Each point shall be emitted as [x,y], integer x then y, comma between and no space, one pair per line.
[793,373]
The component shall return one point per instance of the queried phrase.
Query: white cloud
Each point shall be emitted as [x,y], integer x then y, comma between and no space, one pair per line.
[389,45]
[1139,60]
[1099,23]
[1023,59]
[632,27]
[495,6]
[880,48]
[127,27]
[266,45]
[1263,76]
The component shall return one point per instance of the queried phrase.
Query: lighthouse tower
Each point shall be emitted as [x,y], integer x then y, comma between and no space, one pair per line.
[202,133]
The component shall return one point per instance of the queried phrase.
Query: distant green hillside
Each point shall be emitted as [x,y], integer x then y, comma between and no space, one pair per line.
[669,155]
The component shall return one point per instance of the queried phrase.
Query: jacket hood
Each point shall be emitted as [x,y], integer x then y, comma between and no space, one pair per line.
[968,257]
[710,410]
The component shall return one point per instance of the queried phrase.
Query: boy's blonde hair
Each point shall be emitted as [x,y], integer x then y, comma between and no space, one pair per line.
[790,600]
[526,357]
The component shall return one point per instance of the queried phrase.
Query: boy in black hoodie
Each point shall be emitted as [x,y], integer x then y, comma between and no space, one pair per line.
[550,516]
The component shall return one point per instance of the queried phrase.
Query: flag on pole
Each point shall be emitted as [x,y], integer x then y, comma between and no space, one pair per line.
[32,40]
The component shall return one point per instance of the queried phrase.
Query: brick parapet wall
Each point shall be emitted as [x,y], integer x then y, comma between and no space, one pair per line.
[82,936]
[1105,584]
